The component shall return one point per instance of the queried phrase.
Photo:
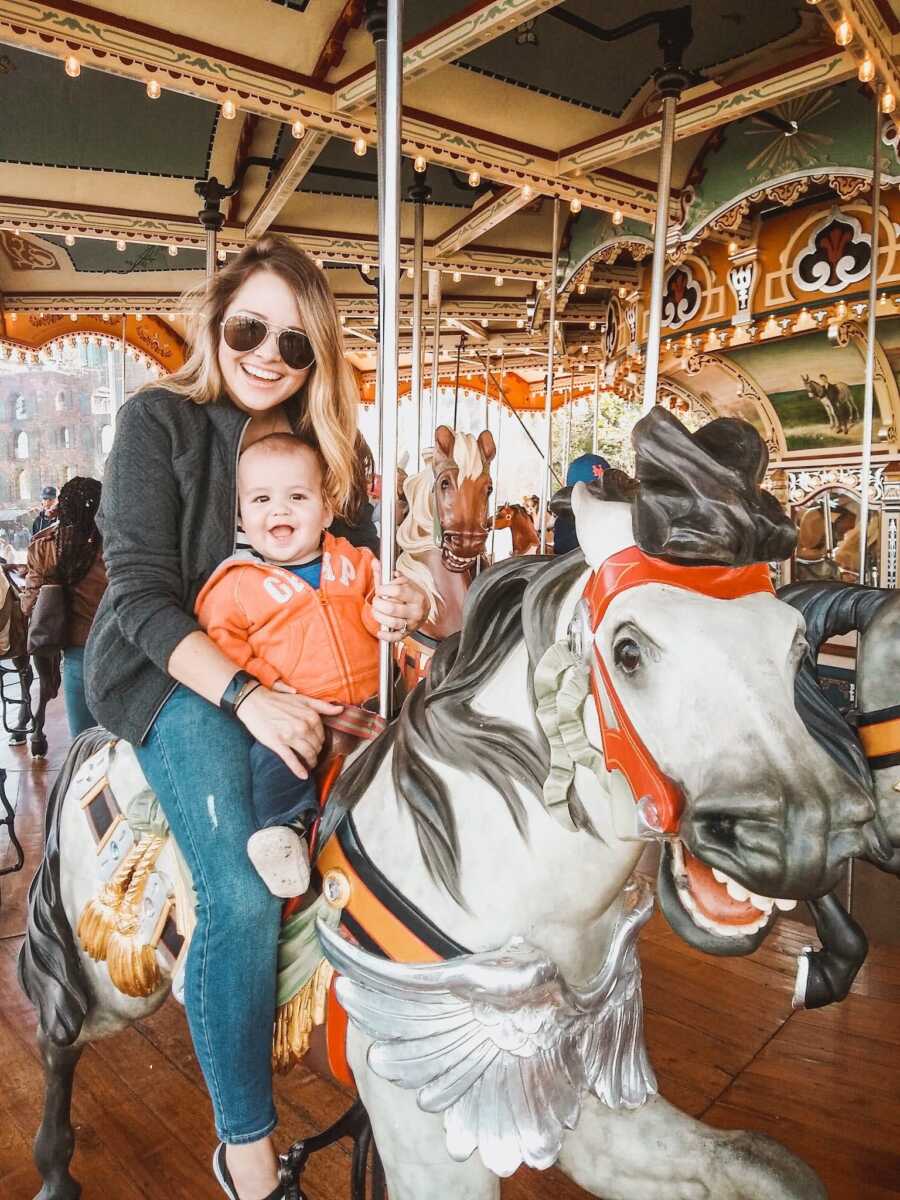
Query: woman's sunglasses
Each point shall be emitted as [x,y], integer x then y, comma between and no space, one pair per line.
[242,332]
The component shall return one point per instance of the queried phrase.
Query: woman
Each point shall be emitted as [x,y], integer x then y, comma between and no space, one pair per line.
[70,552]
[266,356]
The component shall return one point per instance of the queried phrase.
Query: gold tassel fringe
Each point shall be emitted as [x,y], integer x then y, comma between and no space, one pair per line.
[133,966]
[99,916]
[296,1019]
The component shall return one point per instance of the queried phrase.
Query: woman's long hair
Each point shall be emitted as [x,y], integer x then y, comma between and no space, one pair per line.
[325,411]
[78,540]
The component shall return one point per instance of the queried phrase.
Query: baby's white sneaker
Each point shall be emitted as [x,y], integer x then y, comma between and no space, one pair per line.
[281,858]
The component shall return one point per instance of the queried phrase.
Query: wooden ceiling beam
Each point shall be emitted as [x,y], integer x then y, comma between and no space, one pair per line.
[710,109]
[486,214]
[477,25]
[291,174]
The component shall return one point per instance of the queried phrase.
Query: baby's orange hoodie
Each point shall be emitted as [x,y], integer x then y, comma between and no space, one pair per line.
[277,627]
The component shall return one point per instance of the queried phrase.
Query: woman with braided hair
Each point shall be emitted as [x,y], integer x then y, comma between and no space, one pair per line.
[70,552]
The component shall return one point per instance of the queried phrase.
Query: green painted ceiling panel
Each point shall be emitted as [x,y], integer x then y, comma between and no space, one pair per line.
[93,255]
[98,121]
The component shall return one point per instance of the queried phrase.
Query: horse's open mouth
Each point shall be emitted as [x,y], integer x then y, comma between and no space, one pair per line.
[715,901]
[453,562]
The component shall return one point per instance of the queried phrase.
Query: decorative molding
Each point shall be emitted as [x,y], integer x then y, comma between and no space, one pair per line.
[682,298]
[804,483]
[837,254]
[743,276]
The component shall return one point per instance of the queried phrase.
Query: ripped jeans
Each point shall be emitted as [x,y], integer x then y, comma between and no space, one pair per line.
[197,760]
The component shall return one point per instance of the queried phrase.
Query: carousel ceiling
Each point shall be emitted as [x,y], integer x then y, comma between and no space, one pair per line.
[112,112]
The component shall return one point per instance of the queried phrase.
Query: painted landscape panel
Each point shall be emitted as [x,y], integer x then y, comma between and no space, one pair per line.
[815,386]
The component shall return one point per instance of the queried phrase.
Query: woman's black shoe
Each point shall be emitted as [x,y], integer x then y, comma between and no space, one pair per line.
[223,1175]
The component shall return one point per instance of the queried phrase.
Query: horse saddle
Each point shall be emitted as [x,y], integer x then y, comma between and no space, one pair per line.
[141,916]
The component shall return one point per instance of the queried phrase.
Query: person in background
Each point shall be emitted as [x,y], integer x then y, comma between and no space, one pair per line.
[48,514]
[581,470]
[70,552]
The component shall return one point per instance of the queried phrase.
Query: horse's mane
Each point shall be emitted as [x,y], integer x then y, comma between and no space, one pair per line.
[415,537]
[438,724]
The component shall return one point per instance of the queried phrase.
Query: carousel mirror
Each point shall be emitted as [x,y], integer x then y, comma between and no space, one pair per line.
[828,539]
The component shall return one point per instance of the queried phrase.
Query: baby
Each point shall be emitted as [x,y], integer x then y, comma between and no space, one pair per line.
[301,616]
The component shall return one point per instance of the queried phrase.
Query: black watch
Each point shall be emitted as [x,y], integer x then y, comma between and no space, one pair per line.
[237,690]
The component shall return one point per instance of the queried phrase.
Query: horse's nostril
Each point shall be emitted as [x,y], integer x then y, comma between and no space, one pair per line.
[721,828]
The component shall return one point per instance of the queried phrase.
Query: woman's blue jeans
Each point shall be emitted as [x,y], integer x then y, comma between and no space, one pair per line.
[78,715]
[197,760]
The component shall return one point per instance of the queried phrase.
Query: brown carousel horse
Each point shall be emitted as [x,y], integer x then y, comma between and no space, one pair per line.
[518,521]
[20,717]
[442,539]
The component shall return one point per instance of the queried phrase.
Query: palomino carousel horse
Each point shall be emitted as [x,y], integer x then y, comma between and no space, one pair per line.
[493,987]
[515,518]
[29,718]
[442,540]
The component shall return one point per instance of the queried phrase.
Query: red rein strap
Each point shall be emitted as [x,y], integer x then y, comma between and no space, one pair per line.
[658,798]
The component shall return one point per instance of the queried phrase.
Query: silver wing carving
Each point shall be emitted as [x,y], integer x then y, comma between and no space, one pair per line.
[499,1042]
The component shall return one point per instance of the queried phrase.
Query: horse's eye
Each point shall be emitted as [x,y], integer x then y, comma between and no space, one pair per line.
[445,485]
[627,655]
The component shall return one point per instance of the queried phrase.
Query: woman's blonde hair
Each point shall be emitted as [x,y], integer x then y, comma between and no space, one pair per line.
[324,412]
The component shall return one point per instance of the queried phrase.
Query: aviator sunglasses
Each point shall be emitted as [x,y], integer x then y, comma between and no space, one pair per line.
[243,332]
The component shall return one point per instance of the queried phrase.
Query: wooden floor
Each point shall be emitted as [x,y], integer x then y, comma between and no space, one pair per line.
[721,1034]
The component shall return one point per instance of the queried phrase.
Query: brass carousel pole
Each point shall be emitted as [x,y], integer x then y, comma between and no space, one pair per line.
[596,408]
[418,193]
[500,407]
[865,470]
[671,82]
[548,398]
[434,297]
[487,384]
[385,23]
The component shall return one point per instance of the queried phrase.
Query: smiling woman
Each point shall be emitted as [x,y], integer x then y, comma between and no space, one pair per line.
[266,358]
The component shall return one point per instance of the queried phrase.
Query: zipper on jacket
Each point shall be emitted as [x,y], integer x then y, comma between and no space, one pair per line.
[336,648]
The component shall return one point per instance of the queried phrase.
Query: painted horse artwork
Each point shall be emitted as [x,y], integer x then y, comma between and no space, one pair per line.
[517,520]
[442,541]
[652,687]
[837,399]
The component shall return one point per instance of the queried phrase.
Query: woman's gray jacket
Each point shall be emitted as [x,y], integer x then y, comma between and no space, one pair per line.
[168,516]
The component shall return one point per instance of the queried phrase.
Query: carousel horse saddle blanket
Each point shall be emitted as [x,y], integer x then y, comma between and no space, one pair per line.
[140,915]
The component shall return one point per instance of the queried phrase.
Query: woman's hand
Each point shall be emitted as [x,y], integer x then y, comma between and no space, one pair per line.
[290,725]
[399,607]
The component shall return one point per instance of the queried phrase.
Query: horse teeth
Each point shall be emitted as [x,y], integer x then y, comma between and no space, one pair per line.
[719,876]
[785,905]
[735,891]
[763,903]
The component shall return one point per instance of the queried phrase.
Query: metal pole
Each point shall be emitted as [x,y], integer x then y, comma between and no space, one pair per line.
[671,86]
[418,192]
[456,385]
[596,408]
[487,382]
[548,398]
[501,404]
[567,444]
[385,24]
[434,288]
[211,235]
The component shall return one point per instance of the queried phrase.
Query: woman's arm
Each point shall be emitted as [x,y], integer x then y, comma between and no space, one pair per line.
[289,725]
[35,577]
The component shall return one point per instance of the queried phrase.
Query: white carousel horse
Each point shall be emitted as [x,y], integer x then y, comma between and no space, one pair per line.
[528,1047]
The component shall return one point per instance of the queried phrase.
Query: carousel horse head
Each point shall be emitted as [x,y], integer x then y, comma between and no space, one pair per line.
[755,786]
[462,487]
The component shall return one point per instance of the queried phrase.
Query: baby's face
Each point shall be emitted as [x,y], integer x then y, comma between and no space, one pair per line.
[283,511]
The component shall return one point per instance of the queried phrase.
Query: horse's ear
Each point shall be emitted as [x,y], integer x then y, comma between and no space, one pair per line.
[444,438]
[487,446]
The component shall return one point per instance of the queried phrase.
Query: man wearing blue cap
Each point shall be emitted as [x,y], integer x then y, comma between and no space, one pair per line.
[49,506]
[581,470]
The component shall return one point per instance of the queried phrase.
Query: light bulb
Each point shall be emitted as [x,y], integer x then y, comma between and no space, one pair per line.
[474,179]
[120,244]
[575,205]
[592,325]
[343,319]
[221,254]
[173,250]
[297,130]
[520,324]
[498,281]
[365,268]
[17,232]
[410,272]
[14,316]
[623,292]
[419,164]
[618,217]
[320,263]
[154,91]
[843,34]
[73,316]
[229,112]
[70,240]
[138,316]
[866,72]
[360,147]
[582,288]
[73,67]
[527,191]
[484,323]
[888,101]
[539,284]
[584,348]
[457,276]
[732,247]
